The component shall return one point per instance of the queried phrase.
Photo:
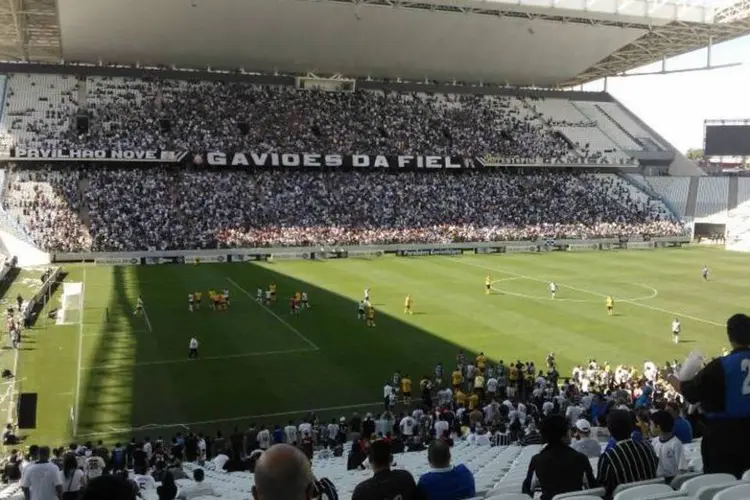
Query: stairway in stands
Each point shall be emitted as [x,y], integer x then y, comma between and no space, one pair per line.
[692,197]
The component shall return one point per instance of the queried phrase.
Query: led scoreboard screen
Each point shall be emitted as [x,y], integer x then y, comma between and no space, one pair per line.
[727,140]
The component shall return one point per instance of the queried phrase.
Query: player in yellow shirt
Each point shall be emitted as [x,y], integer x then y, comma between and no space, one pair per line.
[481,361]
[460,397]
[406,389]
[488,284]
[473,401]
[407,305]
[370,316]
[456,379]
[198,296]
[610,306]
[211,296]
[272,289]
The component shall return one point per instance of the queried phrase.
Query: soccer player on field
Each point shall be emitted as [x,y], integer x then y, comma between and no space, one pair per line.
[293,304]
[190,302]
[226,296]
[553,288]
[610,306]
[198,297]
[361,310]
[193,349]
[305,304]
[138,306]
[370,316]
[272,289]
[705,272]
[268,297]
[676,331]
[406,389]
[407,305]
[488,284]
[439,374]
[211,298]
[259,295]
[456,378]
[367,295]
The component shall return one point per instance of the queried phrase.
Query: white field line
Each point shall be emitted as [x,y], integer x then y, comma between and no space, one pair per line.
[591,292]
[148,323]
[206,358]
[269,311]
[80,354]
[187,425]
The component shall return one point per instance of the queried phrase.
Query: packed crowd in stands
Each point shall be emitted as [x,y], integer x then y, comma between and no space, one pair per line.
[205,116]
[103,209]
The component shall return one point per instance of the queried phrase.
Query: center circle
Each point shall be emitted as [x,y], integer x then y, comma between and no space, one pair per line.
[653,294]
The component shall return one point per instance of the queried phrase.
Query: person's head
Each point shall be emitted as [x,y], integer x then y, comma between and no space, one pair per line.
[738,331]
[673,409]
[662,422]
[555,430]
[380,455]
[620,424]
[583,427]
[109,488]
[198,475]
[70,464]
[168,480]
[283,473]
[44,453]
[439,454]
[33,452]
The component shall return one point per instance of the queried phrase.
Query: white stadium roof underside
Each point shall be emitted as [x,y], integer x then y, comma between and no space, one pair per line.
[546,43]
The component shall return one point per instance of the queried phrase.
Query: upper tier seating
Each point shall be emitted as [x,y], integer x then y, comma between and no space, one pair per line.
[713,199]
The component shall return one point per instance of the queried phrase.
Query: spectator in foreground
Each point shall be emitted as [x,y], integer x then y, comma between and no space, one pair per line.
[444,481]
[682,428]
[628,460]
[72,478]
[667,446]
[198,488]
[584,443]
[41,479]
[722,389]
[559,468]
[168,489]
[283,473]
[385,483]
[108,488]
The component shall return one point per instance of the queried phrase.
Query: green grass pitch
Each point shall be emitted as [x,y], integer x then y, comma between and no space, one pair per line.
[128,375]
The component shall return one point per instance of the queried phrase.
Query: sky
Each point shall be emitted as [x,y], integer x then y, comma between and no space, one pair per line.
[676,105]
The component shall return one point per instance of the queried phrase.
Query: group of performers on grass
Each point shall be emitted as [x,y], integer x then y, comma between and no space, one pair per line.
[218,301]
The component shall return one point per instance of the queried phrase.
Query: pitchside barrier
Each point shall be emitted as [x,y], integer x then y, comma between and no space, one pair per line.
[343,252]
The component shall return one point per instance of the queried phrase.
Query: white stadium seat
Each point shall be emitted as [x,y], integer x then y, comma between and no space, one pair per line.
[511,496]
[639,492]
[691,486]
[627,486]
[593,493]
[738,492]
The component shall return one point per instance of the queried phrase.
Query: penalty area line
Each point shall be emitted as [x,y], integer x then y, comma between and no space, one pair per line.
[591,292]
[188,425]
[270,311]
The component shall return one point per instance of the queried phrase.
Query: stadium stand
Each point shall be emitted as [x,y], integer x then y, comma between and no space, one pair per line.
[210,209]
[712,201]
[674,190]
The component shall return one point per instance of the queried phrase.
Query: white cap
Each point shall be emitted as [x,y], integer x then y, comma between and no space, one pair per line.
[583,425]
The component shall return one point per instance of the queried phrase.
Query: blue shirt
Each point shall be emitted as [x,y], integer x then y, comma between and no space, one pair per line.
[683,430]
[453,483]
[635,436]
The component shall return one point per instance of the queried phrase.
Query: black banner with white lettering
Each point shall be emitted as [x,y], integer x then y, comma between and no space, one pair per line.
[314,160]
[150,156]
[429,251]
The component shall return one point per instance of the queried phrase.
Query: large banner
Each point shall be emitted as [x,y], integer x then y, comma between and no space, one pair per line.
[156,156]
[428,251]
[314,160]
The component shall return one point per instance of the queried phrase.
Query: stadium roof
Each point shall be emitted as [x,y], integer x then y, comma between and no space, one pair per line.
[519,42]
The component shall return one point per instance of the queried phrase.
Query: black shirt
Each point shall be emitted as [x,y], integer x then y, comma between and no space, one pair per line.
[387,485]
[627,462]
[560,469]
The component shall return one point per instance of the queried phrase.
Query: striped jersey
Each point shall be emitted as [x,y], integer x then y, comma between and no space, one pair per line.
[626,462]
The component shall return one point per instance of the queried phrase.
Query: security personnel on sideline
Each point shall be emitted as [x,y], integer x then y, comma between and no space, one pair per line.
[722,388]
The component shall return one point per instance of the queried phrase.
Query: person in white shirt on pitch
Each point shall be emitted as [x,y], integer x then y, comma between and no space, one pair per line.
[290,433]
[332,432]
[193,349]
[367,295]
[676,331]
[201,447]
[305,429]
[387,393]
[407,426]
[264,438]
[553,289]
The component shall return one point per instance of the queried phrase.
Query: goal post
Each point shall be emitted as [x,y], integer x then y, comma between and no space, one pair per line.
[71,309]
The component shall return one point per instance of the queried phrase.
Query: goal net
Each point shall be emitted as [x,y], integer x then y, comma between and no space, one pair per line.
[71,309]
